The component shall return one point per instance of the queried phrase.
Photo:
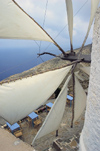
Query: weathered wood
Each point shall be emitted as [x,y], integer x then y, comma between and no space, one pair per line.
[56,133]
[73,78]
[51,54]
[57,145]
[71,57]
[71,48]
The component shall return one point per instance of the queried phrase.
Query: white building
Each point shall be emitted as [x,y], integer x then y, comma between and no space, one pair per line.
[90,137]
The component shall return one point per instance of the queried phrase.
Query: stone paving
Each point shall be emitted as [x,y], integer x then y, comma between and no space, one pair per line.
[9,142]
[65,132]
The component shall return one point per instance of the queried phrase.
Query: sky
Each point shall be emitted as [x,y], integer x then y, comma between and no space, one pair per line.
[55,23]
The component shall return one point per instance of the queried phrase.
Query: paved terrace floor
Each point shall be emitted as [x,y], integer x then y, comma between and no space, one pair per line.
[8,142]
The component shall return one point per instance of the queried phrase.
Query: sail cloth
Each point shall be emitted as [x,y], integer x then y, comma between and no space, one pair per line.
[19,98]
[94,6]
[86,70]
[55,115]
[80,100]
[69,8]
[78,76]
[15,23]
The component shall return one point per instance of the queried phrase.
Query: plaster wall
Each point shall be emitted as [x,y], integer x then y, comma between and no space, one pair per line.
[90,136]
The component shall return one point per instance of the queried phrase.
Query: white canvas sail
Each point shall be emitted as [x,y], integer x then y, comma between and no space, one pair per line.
[70,18]
[55,115]
[94,6]
[19,98]
[86,70]
[80,100]
[78,76]
[16,24]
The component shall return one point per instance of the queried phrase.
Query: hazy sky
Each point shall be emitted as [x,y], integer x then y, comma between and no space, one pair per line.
[19,55]
[55,22]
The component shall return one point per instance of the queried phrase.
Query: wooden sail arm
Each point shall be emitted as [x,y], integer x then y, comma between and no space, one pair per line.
[23,27]
[71,48]
[73,79]
[42,29]
[94,6]
[48,53]
[64,53]
[40,54]
[72,56]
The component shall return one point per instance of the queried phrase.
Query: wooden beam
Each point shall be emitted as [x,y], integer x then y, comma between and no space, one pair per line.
[73,78]
[71,57]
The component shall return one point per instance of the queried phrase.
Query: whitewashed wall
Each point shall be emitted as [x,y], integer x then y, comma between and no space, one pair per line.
[90,137]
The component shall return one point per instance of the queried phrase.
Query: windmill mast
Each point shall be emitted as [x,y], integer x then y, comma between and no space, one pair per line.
[73,77]
[90,137]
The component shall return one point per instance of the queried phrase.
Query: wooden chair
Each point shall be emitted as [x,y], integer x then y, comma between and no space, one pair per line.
[18,133]
[37,122]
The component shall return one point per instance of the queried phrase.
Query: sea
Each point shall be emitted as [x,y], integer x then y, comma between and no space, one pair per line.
[14,60]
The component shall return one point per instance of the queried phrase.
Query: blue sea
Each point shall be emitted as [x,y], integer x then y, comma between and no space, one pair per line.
[13,61]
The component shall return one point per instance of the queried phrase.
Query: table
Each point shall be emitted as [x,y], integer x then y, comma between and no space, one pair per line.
[15,129]
[69,98]
[49,106]
[32,117]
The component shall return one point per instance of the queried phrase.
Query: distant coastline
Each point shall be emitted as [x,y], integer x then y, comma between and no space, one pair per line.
[33,68]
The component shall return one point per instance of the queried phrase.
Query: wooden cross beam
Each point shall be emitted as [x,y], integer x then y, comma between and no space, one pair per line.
[74,57]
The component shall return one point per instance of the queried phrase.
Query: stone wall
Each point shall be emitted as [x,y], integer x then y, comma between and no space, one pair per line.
[90,137]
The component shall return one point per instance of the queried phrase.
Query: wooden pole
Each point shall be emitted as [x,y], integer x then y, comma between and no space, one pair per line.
[71,48]
[73,79]
[56,133]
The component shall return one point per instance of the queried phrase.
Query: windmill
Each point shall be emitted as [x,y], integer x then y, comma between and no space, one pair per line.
[21,91]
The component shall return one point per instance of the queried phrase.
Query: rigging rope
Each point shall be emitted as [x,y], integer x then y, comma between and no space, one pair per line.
[43,27]
[67,24]
[45,13]
[50,43]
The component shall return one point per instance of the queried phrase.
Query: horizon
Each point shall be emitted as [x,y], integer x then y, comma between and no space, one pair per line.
[52,26]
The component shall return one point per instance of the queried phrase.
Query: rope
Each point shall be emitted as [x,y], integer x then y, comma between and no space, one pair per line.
[43,25]
[54,38]
[45,13]
[67,24]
